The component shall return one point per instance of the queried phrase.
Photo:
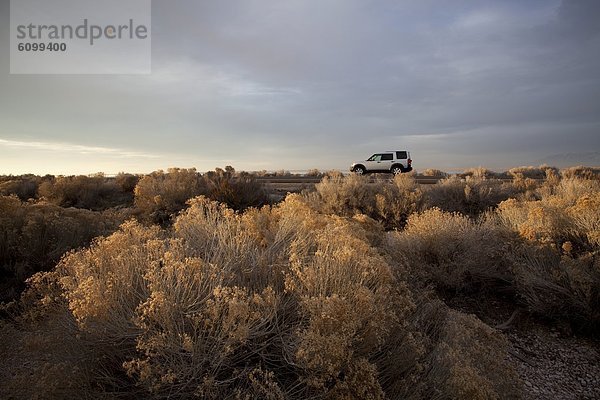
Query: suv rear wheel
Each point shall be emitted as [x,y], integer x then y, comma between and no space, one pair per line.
[397,169]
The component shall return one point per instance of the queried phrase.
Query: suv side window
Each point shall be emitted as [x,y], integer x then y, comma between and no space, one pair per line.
[375,157]
[387,157]
[401,155]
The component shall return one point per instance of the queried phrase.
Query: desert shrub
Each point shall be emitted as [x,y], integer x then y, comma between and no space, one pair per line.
[278,302]
[434,173]
[279,173]
[344,196]
[89,192]
[25,186]
[262,173]
[532,172]
[471,196]
[558,286]
[447,193]
[568,191]
[328,310]
[585,215]
[398,201]
[160,195]
[39,363]
[582,172]
[314,172]
[238,190]
[390,202]
[332,172]
[282,173]
[462,365]
[127,182]
[478,173]
[351,303]
[566,211]
[453,251]
[460,357]
[33,237]
[535,220]
[556,270]
[527,189]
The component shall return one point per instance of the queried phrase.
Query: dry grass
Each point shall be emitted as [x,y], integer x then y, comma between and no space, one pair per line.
[560,287]
[309,298]
[388,202]
[434,173]
[161,195]
[25,186]
[33,237]
[89,192]
[282,302]
[238,190]
[473,195]
[556,268]
[478,173]
[453,251]
[591,173]
[530,172]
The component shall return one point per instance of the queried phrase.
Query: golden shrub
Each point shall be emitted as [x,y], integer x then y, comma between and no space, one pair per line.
[466,368]
[478,173]
[566,211]
[40,364]
[585,216]
[560,287]
[238,190]
[540,172]
[555,270]
[534,220]
[435,173]
[230,304]
[105,283]
[581,172]
[288,301]
[89,192]
[453,251]
[388,202]
[33,237]
[25,186]
[159,194]
[471,196]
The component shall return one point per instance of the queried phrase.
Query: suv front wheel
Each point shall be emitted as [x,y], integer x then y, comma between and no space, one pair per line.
[359,170]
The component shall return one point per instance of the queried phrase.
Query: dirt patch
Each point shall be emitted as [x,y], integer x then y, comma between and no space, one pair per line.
[552,362]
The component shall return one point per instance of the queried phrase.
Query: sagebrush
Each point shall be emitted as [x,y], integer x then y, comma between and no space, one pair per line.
[209,291]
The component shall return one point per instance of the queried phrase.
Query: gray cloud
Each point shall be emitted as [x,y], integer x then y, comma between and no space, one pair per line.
[301,84]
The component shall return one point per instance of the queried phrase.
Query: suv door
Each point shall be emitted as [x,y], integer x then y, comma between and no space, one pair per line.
[372,163]
[386,162]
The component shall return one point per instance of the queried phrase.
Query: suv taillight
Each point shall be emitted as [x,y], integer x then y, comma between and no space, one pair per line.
[409,161]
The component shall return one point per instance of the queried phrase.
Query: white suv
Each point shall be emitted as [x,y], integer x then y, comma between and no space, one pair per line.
[395,162]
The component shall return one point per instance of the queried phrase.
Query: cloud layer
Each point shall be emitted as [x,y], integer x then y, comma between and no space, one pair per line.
[302,84]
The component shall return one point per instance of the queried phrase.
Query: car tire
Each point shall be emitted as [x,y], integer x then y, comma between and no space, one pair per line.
[397,169]
[359,170]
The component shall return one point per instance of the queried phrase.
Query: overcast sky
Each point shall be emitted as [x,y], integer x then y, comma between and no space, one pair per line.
[299,84]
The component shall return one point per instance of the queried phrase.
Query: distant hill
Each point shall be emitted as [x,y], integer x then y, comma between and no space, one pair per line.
[591,159]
